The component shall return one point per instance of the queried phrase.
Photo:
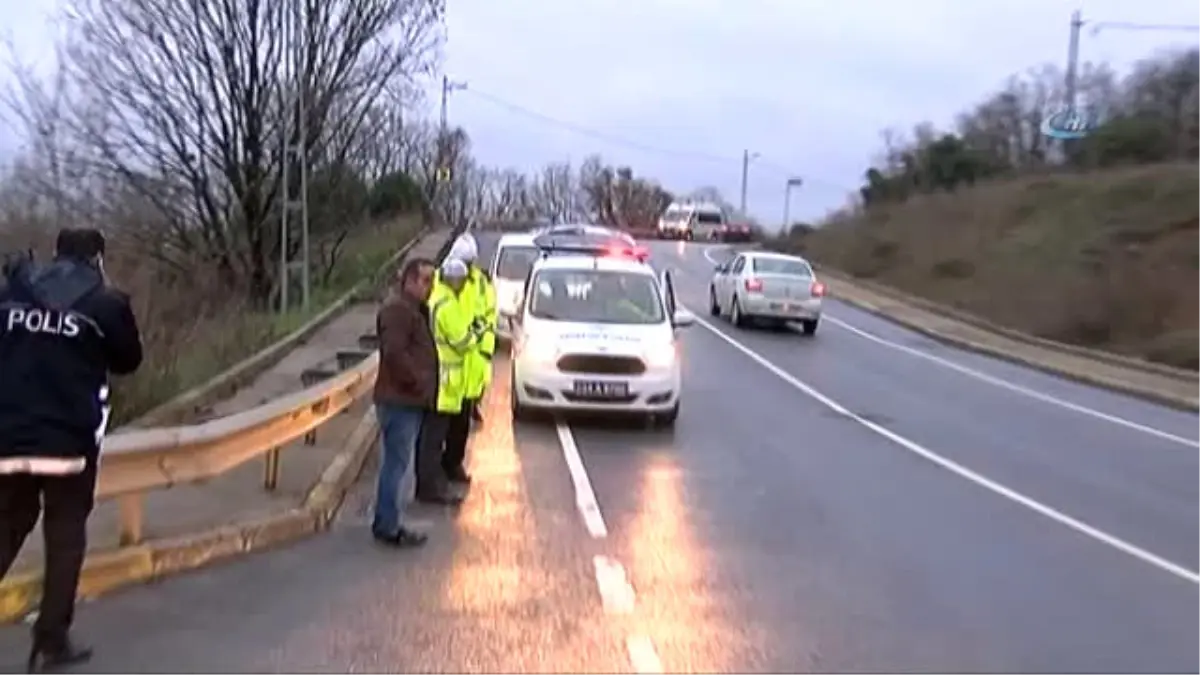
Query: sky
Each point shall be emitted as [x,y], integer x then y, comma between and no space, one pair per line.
[678,89]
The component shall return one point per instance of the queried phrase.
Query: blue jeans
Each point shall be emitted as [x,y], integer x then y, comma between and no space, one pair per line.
[398,429]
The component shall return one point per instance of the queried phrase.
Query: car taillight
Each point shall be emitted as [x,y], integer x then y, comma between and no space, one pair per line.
[754,285]
[817,289]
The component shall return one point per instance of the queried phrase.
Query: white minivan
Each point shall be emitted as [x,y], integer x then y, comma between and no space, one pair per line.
[693,220]
[515,256]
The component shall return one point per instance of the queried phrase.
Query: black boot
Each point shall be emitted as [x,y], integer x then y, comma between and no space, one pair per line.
[47,656]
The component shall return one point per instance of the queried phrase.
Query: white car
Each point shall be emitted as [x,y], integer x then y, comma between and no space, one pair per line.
[597,332]
[515,255]
[761,286]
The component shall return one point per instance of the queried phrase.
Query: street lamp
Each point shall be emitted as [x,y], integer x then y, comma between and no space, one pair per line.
[787,199]
[1078,22]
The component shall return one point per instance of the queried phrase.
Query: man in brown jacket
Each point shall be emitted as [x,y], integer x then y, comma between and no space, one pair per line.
[406,387]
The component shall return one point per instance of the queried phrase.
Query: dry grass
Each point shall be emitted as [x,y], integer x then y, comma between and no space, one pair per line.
[195,331]
[1106,260]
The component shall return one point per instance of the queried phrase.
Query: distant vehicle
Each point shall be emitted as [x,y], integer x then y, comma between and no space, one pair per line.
[735,232]
[514,259]
[770,287]
[596,332]
[698,221]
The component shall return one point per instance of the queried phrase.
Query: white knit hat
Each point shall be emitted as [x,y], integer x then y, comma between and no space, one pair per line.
[454,268]
[465,248]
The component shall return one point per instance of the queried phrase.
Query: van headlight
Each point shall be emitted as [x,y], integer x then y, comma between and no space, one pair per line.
[661,355]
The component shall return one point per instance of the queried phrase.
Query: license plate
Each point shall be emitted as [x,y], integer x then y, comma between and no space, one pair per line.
[594,389]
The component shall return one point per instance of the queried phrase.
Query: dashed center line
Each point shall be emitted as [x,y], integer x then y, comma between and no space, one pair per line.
[585,498]
[643,655]
[616,593]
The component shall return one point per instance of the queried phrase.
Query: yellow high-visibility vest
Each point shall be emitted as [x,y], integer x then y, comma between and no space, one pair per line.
[482,294]
[450,318]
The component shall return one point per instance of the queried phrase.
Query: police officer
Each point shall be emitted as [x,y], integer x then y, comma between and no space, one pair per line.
[454,337]
[63,329]
[481,297]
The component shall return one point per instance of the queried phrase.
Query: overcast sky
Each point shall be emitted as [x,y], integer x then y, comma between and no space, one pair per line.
[678,88]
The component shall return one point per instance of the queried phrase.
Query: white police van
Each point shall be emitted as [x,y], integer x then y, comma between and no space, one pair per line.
[596,331]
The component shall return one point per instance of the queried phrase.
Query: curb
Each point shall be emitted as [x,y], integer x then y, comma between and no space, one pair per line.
[1170,399]
[179,409]
[110,570]
[975,321]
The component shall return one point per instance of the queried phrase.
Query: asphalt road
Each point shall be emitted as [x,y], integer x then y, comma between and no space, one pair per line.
[864,500]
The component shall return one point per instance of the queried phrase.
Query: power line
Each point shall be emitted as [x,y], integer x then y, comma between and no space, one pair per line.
[582,130]
[594,133]
[1097,26]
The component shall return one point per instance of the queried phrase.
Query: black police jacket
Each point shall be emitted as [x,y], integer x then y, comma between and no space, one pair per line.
[62,331]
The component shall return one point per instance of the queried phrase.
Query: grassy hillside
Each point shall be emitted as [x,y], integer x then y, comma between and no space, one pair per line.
[1106,260]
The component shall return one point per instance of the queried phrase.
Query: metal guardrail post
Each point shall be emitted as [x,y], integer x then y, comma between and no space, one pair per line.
[271,470]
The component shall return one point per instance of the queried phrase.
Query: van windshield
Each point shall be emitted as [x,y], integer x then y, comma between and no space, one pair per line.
[515,262]
[674,216]
[708,218]
[596,296]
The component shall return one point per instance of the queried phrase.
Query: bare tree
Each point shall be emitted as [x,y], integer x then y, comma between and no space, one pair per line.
[183,102]
[555,192]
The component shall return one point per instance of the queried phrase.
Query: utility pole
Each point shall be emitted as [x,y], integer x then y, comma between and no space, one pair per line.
[442,173]
[746,157]
[787,200]
[1073,59]
[294,161]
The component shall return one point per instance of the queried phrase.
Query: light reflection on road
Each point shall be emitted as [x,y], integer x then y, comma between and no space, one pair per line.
[670,573]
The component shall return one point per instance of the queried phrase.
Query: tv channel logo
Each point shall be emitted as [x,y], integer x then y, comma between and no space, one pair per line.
[1069,124]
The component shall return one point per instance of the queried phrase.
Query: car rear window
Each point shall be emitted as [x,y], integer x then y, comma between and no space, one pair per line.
[515,262]
[797,268]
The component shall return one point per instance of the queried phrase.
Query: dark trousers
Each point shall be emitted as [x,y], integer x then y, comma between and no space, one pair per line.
[431,477]
[67,500]
[456,439]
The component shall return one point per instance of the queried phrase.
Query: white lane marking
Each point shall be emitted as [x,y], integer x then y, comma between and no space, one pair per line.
[1004,384]
[616,593]
[707,255]
[585,498]
[643,655]
[960,470]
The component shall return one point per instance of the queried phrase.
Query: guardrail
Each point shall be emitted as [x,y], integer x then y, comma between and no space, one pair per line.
[138,461]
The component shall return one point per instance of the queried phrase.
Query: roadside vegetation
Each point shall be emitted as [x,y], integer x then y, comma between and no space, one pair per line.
[1094,243]
[149,127]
